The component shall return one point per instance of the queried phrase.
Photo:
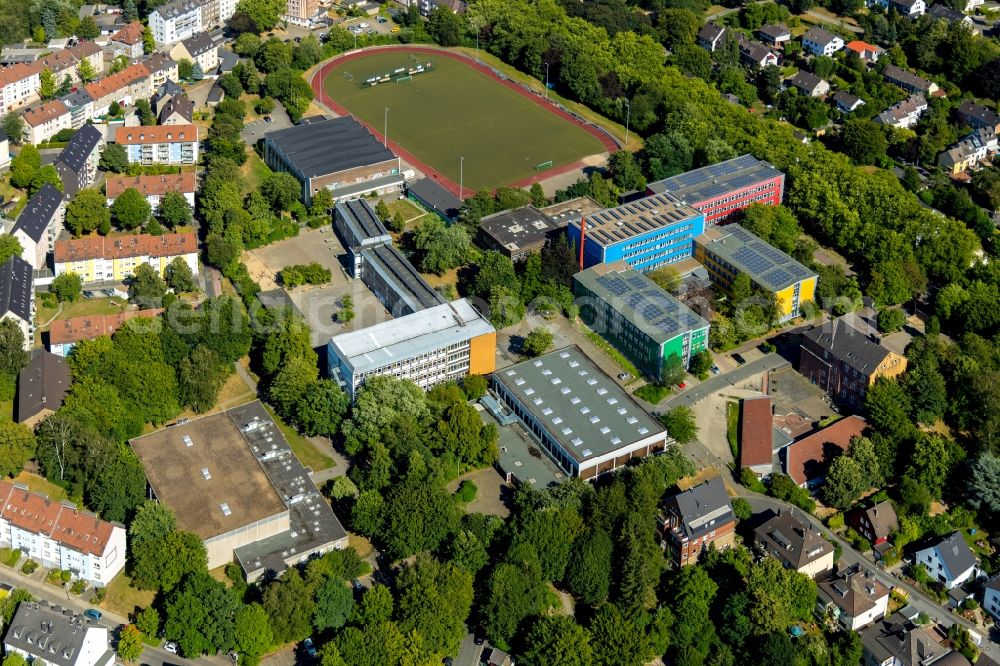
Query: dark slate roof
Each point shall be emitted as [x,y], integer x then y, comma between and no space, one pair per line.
[178,104]
[804,79]
[329,146]
[791,541]
[435,196]
[80,147]
[199,43]
[897,637]
[38,213]
[711,32]
[945,12]
[774,31]
[846,99]
[848,345]
[15,288]
[42,384]
[702,508]
[166,89]
[399,275]
[51,633]
[955,553]
[177,8]
[882,518]
[79,98]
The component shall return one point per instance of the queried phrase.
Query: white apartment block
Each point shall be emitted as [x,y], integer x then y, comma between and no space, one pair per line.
[60,536]
[176,21]
[19,86]
[162,144]
[44,122]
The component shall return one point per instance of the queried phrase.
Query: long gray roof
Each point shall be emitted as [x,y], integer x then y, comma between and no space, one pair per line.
[53,634]
[35,217]
[848,345]
[328,146]
[699,185]
[955,553]
[407,284]
[80,147]
[16,288]
[763,263]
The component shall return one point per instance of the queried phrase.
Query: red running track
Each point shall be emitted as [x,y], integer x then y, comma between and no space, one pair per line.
[320,75]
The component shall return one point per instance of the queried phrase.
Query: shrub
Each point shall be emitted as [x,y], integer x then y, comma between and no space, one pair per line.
[751,482]
[836,521]
[300,274]
[467,491]
[54,577]
[78,587]
[29,567]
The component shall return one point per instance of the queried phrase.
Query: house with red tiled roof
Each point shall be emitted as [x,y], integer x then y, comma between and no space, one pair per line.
[864,50]
[756,428]
[41,123]
[58,535]
[66,62]
[128,41]
[807,459]
[65,333]
[152,187]
[19,85]
[132,83]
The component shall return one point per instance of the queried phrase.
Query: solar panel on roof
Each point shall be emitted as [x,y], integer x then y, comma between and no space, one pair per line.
[778,276]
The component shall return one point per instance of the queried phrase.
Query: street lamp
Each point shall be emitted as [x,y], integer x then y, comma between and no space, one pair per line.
[461,175]
[385,131]
[628,115]
[546,80]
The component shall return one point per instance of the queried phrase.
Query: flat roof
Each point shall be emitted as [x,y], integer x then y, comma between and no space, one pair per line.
[640,300]
[405,337]
[406,282]
[763,263]
[313,524]
[436,196]
[361,219]
[329,146]
[176,460]
[518,227]
[614,225]
[581,407]
[710,182]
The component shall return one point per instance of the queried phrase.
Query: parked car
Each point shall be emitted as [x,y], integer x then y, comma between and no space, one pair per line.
[358,585]
[170,647]
[382,19]
[739,359]
[364,25]
[395,28]
[92,614]
[373,31]
[682,385]
[309,647]
[715,370]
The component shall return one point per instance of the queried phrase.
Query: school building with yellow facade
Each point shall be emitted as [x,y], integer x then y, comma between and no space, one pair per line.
[729,251]
[115,258]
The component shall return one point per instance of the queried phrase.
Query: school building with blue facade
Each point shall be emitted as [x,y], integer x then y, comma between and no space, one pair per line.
[646,233]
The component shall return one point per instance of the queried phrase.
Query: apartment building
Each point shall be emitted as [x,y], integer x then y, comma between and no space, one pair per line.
[302,12]
[431,346]
[794,543]
[854,596]
[43,122]
[651,327]
[732,250]
[19,86]
[169,144]
[66,62]
[646,233]
[81,107]
[102,258]
[696,518]
[971,152]
[60,536]
[845,362]
[132,83]
[152,187]
[77,163]
[903,114]
[724,189]
[200,49]
[17,297]
[128,41]
[176,21]
[908,81]
[39,225]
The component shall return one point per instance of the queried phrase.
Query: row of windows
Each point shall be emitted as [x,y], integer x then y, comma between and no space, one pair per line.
[659,236]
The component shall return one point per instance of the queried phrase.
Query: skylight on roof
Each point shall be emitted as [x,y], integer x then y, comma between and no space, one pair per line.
[538,364]
[556,381]
[601,390]
[547,411]
[564,354]
[557,420]
[205,473]
[519,381]
[591,381]
[574,364]
[538,401]
[616,440]
[622,411]
[605,430]
[564,390]
[585,410]
[643,430]
[632,420]
[567,430]
[586,453]
[577,441]
[612,401]
[546,372]
[575,399]
[529,391]
[225,509]
[595,419]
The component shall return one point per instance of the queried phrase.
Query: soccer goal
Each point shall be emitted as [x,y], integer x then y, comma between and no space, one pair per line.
[543,166]
[404,79]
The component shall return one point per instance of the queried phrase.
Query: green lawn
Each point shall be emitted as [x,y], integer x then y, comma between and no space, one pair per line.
[120,597]
[254,171]
[307,454]
[454,110]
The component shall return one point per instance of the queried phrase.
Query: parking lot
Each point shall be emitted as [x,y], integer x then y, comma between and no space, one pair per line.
[254,131]
[370,25]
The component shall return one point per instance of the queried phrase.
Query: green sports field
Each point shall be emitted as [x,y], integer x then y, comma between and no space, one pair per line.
[454,110]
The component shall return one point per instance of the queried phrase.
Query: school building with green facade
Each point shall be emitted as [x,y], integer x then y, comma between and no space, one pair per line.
[644,322]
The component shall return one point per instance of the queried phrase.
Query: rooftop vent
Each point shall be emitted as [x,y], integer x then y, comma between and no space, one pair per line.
[226,511]
[187,440]
[205,473]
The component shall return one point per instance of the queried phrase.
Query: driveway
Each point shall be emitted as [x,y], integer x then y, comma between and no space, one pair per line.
[254,131]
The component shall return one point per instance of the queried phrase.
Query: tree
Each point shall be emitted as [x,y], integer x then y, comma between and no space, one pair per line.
[537,341]
[9,247]
[179,277]
[13,127]
[145,112]
[626,172]
[146,288]
[17,446]
[888,407]
[12,354]
[289,606]
[864,141]
[588,573]
[148,41]
[435,599]
[130,209]
[321,409]
[281,190]
[376,605]
[114,158]
[985,483]
[174,210]
[505,307]
[67,287]
[441,247]
[197,73]
[200,377]
[184,68]
[334,602]
[86,71]
[246,44]
[678,27]
[25,165]
[87,212]
[516,591]
[253,634]
[616,640]
[494,269]
[680,424]
[47,87]
[88,28]
[844,482]
[557,641]
[264,13]
[148,621]
[446,26]
[130,645]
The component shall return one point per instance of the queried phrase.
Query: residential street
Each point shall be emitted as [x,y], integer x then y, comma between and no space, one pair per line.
[849,556]
[715,383]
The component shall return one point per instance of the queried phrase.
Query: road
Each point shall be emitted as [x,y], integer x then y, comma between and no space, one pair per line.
[468,653]
[716,383]
[849,556]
